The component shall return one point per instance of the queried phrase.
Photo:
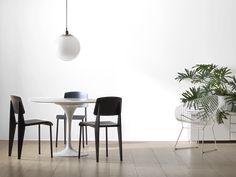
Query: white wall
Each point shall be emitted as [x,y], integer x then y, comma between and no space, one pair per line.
[129,48]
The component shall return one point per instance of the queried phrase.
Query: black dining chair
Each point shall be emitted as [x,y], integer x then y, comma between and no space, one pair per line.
[105,106]
[83,117]
[17,108]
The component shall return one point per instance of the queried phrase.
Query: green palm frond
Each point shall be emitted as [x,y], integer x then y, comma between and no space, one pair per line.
[231,100]
[204,68]
[188,74]
[221,74]
[232,83]
[206,89]
[190,95]
[220,116]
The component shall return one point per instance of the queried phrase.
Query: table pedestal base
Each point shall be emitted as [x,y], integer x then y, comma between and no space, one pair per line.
[68,153]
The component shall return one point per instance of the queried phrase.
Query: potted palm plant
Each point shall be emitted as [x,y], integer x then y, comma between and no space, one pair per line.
[209,79]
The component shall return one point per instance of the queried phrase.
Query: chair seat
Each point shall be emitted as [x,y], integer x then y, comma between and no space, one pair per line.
[75,117]
[37,122]
[102,124]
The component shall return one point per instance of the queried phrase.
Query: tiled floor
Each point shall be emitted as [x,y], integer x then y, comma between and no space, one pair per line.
[141,159]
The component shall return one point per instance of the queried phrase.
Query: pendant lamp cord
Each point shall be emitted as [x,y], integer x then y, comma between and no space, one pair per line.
[66,20]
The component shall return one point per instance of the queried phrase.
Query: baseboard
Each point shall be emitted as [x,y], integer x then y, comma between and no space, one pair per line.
[218,141]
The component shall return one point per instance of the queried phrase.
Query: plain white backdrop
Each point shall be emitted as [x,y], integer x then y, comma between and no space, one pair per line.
[129,48]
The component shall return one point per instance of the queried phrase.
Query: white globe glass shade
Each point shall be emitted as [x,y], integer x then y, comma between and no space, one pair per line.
[68,47]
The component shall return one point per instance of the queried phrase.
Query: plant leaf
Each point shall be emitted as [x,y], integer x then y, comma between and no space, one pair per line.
[188,74]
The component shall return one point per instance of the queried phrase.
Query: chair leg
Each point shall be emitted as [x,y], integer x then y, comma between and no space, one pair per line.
[86,135]
[57,131]
[21,133]
[209,150]
[106,143]
[198,135]
[81,130]
[120,142]
[12,129]
[213,132]
[97,143]
[39,139]
[178,137]
[203,131]
[65,130]
[86,129]
[51,141]
[83,134]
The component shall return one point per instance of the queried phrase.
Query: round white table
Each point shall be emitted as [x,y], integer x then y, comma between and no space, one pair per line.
[69,106]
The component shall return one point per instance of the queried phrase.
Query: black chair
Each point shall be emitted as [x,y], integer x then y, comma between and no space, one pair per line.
[105,106]
[16,107]
[82,118]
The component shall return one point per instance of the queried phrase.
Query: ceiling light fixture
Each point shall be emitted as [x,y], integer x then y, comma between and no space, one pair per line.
[68,46]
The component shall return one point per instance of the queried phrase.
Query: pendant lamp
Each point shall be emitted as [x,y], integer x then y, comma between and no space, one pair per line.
[68,46]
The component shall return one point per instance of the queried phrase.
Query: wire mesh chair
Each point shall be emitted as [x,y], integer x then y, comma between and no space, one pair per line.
[199,113]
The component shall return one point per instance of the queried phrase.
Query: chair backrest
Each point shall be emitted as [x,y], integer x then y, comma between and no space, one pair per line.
[201,109]
[16,107]
[108,106]
[77,94]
